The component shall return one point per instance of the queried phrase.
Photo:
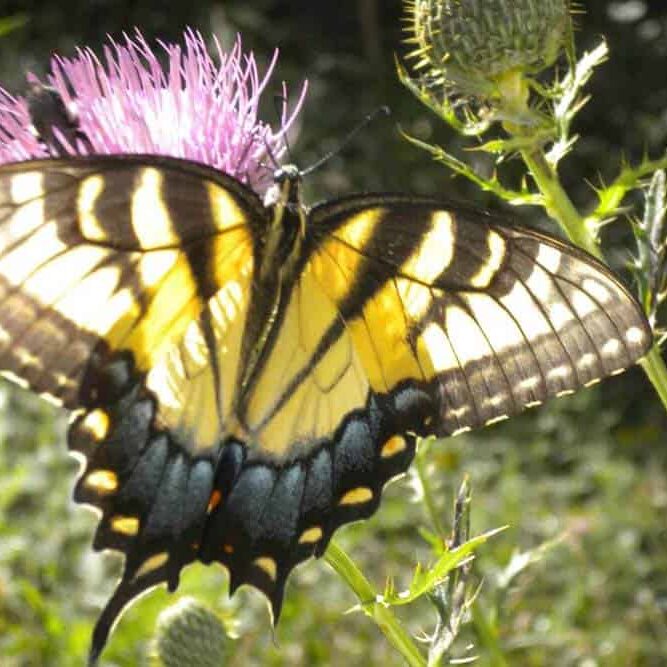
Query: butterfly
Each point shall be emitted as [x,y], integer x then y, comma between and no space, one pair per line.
[244,378]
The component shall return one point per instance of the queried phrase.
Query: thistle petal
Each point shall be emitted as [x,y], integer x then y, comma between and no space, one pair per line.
[199,105]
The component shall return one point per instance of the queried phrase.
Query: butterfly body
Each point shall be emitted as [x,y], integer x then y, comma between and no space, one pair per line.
[279,246]
[245,378]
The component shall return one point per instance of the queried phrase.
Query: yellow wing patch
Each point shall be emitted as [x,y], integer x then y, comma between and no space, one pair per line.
[102,481]
[380,332]
[194,403]
[332,383]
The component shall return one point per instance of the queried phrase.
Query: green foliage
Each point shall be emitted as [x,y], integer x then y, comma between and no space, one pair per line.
[10,23]
[42,564]
[426,579]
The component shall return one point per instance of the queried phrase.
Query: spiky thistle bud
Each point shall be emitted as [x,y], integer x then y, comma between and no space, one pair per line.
[188,633]
[485,49]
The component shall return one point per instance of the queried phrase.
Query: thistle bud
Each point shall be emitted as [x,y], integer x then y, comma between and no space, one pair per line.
[188,633]
[484,48]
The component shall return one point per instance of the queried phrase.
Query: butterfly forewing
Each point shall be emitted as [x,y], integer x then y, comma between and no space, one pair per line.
[489,318]
[106,249]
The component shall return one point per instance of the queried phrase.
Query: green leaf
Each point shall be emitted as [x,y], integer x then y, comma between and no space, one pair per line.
[425,580]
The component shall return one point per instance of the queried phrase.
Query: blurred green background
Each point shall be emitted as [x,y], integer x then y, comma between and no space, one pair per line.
[581,482]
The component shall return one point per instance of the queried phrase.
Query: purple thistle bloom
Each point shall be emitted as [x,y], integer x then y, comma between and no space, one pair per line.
[194,108]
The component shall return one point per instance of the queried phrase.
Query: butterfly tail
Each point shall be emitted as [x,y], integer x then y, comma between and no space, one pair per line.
[125,592]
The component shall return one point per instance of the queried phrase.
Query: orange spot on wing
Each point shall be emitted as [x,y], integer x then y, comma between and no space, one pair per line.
[214,500]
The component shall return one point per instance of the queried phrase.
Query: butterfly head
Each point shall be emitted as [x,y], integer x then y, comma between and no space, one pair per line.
[286,188]
[286,173]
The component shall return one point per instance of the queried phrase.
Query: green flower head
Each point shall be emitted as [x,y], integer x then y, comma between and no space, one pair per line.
[471,47]
[189,633]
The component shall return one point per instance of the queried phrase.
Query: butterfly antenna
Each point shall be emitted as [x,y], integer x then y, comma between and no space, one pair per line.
[271,154]
[381,111]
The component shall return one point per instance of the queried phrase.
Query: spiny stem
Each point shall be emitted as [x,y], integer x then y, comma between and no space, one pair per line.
[557,203]
[383,616]
[613,194]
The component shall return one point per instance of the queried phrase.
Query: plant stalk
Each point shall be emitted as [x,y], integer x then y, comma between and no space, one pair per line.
[427,494]
[559,206]
[654,367]
[383,616]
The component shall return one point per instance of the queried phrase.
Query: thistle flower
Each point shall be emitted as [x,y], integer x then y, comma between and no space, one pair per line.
[482,50]
[194,108]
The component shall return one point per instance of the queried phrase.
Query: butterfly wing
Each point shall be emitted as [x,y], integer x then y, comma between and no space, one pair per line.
[405,319]
[123,293]
[495,318]
[112,250]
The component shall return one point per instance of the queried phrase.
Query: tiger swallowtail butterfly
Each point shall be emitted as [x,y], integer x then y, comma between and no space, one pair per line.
[244,378]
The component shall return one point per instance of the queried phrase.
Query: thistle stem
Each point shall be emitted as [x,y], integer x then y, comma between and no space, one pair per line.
[654,367]
[559,206]
[383,616]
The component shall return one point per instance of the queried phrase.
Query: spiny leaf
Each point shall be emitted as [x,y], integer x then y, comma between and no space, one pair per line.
[424,580]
